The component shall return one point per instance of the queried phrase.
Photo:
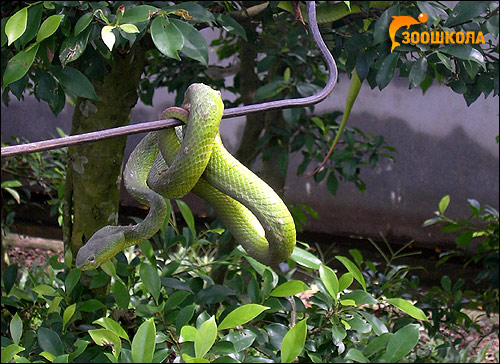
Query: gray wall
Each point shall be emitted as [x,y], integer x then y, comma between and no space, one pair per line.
[444,147]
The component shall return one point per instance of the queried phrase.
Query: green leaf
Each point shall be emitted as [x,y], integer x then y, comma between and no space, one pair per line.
[185,315]
[138,14]
[151,280]
[464,238]
[381,29]
[289,288]
[304,258]
[466,10]
[401,343]
[270,89]
[465,52]
[143,344]
[189,359]
[232,26]
[19,65]
[377,325]
[332,183]
[50,341]
[360,297]
[446,283]
[73,47]
[386,71]
[356,355]
[74,81]
[187,215]
[13,193]
[112,325]
[188,333]
[330,280]
[205,337]
[72,280]
[68,313]
[103,337]
[16,25]
[108,36]
[445,60]
[175,299]
[91,305]
[129,28]
[9,277]
[44,289]
[443,204]
[353,269]
[408,307]
[293,342]
[378,343]
[33,24]
[241,315]
[10,351]
[195,46]
[122,296]
[83,23]
[345,281]
[48,27]
[16,328]
[418,72]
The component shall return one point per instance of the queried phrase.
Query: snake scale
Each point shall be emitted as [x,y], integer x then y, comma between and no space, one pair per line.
[166,164]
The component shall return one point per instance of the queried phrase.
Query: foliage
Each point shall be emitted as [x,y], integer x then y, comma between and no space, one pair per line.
[42,172]
[361,41]
[163,305]
[478,238]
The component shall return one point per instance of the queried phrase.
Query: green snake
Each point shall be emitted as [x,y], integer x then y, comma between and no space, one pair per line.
[166,164]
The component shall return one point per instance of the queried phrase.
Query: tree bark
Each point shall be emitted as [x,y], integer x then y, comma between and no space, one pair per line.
[94,170]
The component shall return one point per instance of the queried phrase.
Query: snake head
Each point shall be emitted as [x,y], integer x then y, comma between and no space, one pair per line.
[101,247]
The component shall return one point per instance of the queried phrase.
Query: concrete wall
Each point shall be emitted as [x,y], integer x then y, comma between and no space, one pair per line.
[444,147]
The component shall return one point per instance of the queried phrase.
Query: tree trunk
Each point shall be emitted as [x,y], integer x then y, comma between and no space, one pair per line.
[94,170]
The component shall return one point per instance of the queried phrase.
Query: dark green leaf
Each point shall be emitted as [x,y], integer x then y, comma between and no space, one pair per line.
[464,238]
[386,71]
[73,47]
[332,183]
[185,315]
[72,280]
[195,46]
[356,355]
[166,37]
[187,215]
[83,23]
[50,341]
[466,10]
[74,81]
[381,30]
[305,258]
[232,26]
[9,277]
[360,297]
[151,280]
[91,305]
[463,51]
[122,297]
[418,72]
[241,339]
[401,343]
[270,89]
[213,294]
[138,14]
[33,23]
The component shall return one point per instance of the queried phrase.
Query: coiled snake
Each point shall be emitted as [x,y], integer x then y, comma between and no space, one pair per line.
[163,165]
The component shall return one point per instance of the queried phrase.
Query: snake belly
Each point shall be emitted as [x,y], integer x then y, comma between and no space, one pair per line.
[197,161]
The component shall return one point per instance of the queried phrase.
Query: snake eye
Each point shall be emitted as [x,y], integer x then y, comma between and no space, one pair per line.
[91,259]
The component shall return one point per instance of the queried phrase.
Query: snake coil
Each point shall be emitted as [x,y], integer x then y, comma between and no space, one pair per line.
[166,165]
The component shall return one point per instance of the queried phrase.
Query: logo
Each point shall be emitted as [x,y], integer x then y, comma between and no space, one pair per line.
[425,37]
